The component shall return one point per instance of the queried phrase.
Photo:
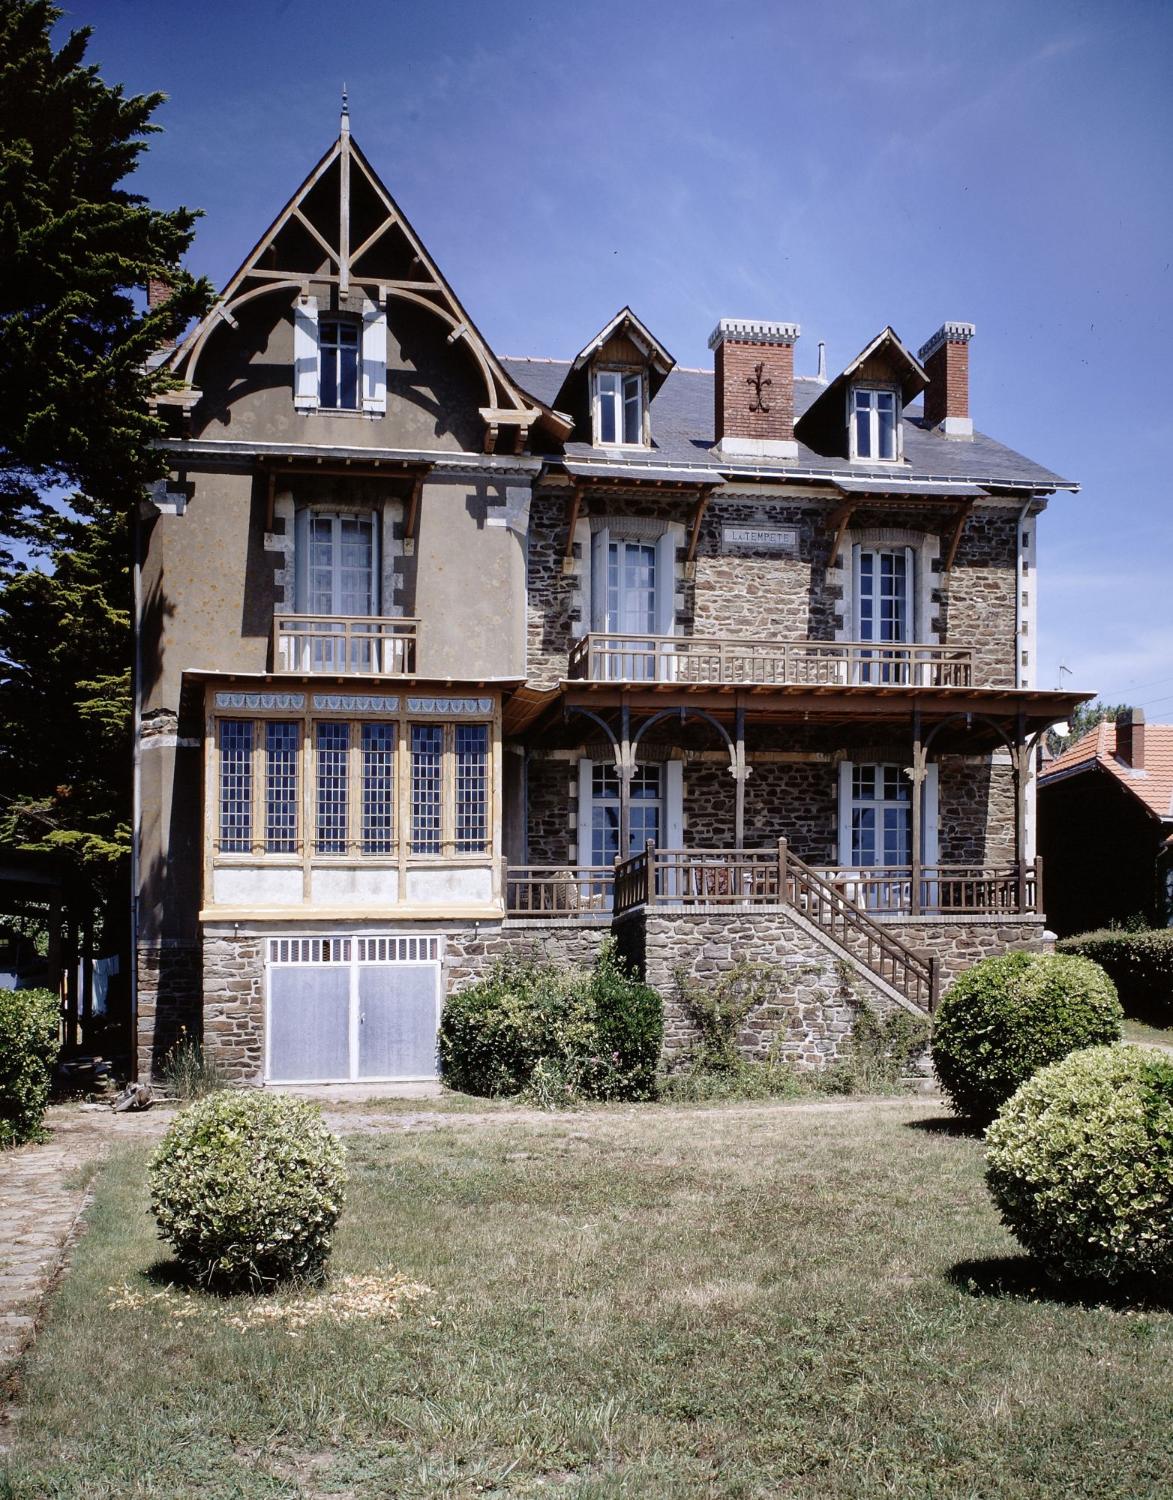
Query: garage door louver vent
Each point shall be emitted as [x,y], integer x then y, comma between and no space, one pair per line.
[367,950]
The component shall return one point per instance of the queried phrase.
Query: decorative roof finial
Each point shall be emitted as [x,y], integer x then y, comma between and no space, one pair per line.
[345,109]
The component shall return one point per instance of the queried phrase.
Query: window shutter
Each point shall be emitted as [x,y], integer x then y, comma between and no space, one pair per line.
[301,554]
[929,823]
[305,354]
[674,804]
[376,594]
[600,543]
[585,786]
[666,583]
[855,623]
[911,612]
[374,359]
[846,769]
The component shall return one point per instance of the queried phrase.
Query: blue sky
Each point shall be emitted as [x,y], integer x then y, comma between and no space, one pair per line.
[844,165]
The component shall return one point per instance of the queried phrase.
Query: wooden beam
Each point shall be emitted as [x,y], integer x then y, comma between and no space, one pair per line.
[372,239]
[413,510]
[698,515]
[573,505]
[964,511]
[321,239]
[840,518]
[344,206]
[270,499]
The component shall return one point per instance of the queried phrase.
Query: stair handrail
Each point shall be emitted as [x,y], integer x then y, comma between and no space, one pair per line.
[916,977]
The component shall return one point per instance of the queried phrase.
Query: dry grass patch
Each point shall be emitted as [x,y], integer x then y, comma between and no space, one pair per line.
[740,1303]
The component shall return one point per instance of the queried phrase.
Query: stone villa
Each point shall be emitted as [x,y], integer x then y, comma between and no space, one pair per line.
[441,653]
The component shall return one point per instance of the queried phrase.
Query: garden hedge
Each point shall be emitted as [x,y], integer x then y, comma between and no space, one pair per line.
[1006,1017]
[593,1034]
[1080,1163]
[1139,964]
[29,1043]
[247,1187]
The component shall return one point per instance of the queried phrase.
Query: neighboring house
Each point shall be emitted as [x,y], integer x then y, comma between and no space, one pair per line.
[444,654]
[1106,827]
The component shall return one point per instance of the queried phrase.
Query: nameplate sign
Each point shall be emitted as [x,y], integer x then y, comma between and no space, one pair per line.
[761,539]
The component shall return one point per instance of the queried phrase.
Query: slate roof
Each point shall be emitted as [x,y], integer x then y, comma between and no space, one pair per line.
[1096,750]
[682,435]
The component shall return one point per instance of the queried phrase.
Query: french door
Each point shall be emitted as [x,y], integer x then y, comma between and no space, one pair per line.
[883,592]
[630,609]
[339,584]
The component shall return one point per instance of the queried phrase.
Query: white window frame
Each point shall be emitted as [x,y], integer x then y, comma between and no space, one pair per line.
[301,557]
[911,612]
[872,391]
[671,806]
[334,347]
[620,400]
[371,385]
[930,839]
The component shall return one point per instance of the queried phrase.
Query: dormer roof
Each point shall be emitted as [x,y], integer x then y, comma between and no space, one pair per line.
[885,361]
[624,329]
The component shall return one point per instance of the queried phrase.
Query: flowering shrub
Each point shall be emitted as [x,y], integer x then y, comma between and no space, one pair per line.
[596,1034]
[247,1187]
[29,1044]
[1006,1017]
[1080,1163]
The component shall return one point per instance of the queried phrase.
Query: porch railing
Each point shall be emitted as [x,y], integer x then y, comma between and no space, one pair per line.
[944,889]
[748,877]
[555,892]
[343,645]
[606,657]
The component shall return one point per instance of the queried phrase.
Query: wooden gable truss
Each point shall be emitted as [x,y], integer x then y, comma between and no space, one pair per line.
[343,228]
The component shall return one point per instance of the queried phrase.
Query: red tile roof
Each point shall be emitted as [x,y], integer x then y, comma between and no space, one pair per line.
[1153,786]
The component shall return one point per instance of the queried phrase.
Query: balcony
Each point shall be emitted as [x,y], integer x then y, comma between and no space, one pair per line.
[605,657]
[345,645]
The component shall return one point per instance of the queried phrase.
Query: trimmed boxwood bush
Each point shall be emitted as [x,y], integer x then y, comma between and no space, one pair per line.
[1006,1017]
[29,1043]
[247,1187]
[1139,964]
[1080,1163]
[598,1032]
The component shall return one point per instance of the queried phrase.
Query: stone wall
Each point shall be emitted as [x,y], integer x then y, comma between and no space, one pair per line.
[553,609]
[975,812]
[960,941]
[794,800]
[977,601]
[234,1007]
[549,810]
[469,953]
[813,997]
[759,594]
[169,990]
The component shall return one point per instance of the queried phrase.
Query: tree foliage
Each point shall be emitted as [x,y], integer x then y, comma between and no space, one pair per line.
[76,430]
[1085,717]
[75,248]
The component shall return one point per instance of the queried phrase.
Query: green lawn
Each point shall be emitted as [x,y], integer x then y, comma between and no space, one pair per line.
[799,1301]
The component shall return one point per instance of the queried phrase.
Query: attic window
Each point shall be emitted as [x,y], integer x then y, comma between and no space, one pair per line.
[874,417]
[338,345]
[619,407]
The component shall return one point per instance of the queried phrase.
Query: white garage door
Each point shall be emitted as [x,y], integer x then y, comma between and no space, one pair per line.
[341,1010]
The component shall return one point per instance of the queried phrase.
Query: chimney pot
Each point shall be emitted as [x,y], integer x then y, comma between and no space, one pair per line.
[754,389]
[1130,737]
[946,360]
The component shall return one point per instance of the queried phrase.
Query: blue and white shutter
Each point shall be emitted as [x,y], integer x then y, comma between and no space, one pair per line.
[305,354]
[374,358]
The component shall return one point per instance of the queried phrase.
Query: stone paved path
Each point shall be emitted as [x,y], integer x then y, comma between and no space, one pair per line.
[42,1195]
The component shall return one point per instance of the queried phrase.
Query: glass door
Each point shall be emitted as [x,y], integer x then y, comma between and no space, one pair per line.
[884,595]
[342,582]
[631,609]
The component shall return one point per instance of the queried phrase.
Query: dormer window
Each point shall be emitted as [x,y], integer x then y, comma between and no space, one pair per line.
[619,407]
[875,423]
[338,352]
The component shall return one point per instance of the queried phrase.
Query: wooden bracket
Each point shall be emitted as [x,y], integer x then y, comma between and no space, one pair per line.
[413,511]
[963,514]
[698,515]
[573,505]
[840,520]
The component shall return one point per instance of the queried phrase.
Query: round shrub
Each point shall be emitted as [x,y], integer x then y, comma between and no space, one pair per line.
[247,1187]
[1080,1163]
[29,1043]
[600,1031]
[1006,1017]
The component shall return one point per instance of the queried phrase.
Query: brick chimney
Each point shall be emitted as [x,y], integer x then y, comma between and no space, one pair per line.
[946,361]
[158,292]
[1130,737]
[754,389]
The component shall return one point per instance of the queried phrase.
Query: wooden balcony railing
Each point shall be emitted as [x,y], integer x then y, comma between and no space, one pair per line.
[605,657]
[343,645]
[755,877]
[558,892]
